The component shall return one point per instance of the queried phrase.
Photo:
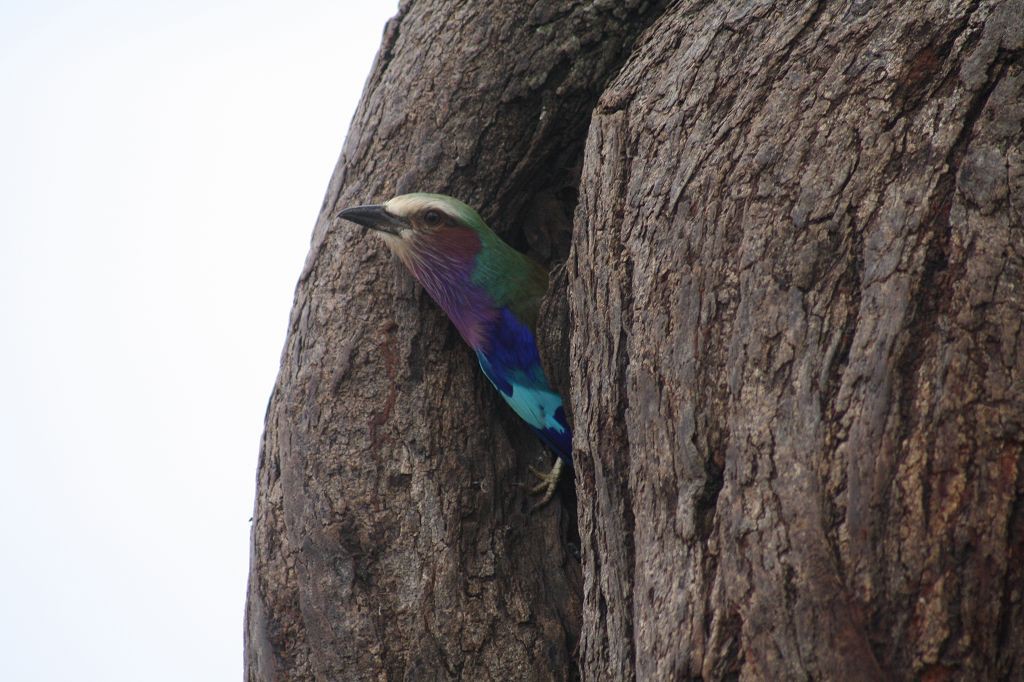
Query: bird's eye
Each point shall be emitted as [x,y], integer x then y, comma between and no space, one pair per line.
[432,217]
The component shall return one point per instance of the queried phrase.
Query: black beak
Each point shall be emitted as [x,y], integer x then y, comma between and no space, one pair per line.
[376,218]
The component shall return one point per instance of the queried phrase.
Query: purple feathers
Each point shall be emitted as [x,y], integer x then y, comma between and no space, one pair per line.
[443,263]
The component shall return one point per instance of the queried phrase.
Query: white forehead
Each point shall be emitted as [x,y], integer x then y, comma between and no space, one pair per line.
[410,204]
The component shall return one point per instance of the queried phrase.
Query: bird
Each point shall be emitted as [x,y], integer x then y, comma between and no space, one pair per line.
[491,293]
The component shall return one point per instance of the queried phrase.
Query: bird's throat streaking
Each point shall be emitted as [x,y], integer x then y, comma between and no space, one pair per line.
[444,267]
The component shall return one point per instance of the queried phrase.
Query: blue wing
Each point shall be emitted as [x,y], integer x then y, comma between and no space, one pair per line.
[512,363]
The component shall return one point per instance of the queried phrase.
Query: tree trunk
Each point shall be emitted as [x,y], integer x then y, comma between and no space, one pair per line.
[797,286]
[390,539]
[789,330]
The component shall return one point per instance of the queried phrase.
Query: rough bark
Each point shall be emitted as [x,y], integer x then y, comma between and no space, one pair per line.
[790,329]
[797,363]
[389,538]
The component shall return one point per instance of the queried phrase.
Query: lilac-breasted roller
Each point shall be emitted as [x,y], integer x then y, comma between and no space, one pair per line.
[492,294]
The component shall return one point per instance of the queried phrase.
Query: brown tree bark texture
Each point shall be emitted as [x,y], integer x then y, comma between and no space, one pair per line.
[389,537]
[796,288]
[789,328]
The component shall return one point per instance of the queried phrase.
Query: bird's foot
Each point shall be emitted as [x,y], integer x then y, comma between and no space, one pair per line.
[547,484]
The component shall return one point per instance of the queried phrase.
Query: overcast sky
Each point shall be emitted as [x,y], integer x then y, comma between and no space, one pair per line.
[162,167]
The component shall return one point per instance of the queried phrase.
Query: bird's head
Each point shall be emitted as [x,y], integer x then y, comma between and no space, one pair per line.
[441,241]
[410,223]
[462,264]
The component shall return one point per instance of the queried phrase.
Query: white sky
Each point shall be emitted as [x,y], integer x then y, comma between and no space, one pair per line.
[161,165]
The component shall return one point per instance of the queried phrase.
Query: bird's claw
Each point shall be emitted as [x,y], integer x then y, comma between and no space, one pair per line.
[547,484]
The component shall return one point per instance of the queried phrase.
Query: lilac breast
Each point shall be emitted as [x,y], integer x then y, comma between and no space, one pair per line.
[443,263]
